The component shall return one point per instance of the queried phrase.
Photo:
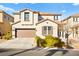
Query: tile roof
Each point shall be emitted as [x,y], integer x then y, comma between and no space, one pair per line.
[75,15]
[45,13]
[40,13]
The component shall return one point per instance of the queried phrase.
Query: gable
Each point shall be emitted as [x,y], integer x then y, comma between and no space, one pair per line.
[26,10]
[47,20]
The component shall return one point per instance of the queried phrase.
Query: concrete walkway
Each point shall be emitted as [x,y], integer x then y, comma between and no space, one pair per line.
[2,40]
[18,43]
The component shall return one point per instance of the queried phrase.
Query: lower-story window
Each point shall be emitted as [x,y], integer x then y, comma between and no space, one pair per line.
[46,30]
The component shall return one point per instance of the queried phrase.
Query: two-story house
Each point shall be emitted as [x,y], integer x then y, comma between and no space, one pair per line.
[70,25]
[6,21]
[28,24]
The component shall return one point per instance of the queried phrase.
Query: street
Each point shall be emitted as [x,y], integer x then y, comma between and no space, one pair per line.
[38,52]
[23,47]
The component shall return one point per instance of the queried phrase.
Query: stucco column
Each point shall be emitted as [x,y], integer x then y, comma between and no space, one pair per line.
[61,35]
[78,32]
[75,35]
[73,32]
[13,32]
[64,35]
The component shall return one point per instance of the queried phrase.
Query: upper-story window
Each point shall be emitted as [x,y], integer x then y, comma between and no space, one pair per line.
[26,16]
[5,16]
[75,19]
[8,18]
[55,17]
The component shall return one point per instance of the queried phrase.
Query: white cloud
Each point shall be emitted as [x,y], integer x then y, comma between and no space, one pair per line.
[2,7]
[63,11]
[16,3]
[75,4]
[33,3]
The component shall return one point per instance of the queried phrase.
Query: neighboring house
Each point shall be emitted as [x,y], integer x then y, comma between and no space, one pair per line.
[5,22]
[71,24]
[28,24]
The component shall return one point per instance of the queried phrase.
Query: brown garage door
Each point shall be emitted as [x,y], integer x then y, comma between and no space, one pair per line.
[25,33]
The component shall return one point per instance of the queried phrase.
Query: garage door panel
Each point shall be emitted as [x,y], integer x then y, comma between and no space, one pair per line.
[25,33]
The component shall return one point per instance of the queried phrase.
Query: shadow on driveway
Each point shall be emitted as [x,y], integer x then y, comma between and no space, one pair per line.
[4,50]
[25,50]
[53,51]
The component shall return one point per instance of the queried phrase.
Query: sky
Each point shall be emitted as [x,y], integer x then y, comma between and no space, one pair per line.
[66,9]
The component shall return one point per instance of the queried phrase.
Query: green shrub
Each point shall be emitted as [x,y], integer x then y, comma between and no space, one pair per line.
[38,41]
[49,37]
[57,40]
[49,41]
[7,36]
[59,43]
[62,44]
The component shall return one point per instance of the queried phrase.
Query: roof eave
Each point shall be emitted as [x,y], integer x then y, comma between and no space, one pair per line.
[46,20]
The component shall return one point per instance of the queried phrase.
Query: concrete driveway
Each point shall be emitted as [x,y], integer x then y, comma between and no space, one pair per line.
[18,43]
[2,40]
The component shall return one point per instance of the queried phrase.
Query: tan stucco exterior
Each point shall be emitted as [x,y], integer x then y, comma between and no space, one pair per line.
[5,27]
[70,24]
[36,22]
[5,22]
[34,19]
[47,23]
